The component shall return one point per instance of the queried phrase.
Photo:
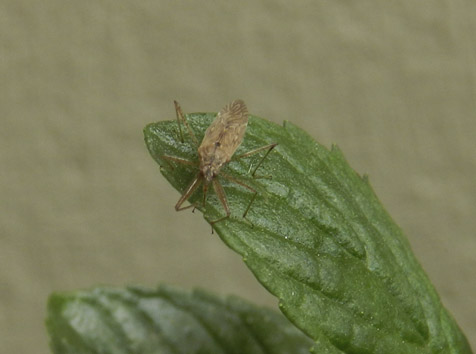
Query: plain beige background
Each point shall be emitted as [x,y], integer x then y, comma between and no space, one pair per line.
[393,83]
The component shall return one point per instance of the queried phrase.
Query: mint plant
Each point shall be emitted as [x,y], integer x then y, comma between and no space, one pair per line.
[316,237]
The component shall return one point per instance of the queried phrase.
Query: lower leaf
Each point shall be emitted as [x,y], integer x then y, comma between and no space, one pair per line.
[166,320]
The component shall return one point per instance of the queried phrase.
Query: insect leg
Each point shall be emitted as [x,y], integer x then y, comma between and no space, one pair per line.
[252,152]
[192,187]
[222,197]
[234,180]
[168,158]
[181,118]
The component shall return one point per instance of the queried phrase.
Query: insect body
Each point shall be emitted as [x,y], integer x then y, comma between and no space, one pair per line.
[218,146]
[222,138]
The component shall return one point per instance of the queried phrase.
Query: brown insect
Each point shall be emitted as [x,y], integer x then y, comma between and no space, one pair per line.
[218,146]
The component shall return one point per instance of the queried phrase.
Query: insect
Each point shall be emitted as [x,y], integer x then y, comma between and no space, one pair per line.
[217,148]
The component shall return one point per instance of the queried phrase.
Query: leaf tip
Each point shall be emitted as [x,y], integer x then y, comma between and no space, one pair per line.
[55,302]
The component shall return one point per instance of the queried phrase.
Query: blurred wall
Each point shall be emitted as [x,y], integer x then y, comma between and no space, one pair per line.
[393,83]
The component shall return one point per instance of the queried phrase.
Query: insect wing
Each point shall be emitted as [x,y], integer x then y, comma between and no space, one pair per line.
[226,132]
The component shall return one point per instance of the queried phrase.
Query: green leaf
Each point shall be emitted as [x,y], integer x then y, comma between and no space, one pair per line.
[318,238]
[166,320]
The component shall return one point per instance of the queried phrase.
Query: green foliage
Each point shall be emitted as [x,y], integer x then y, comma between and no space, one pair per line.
[318,239]
[166,320]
